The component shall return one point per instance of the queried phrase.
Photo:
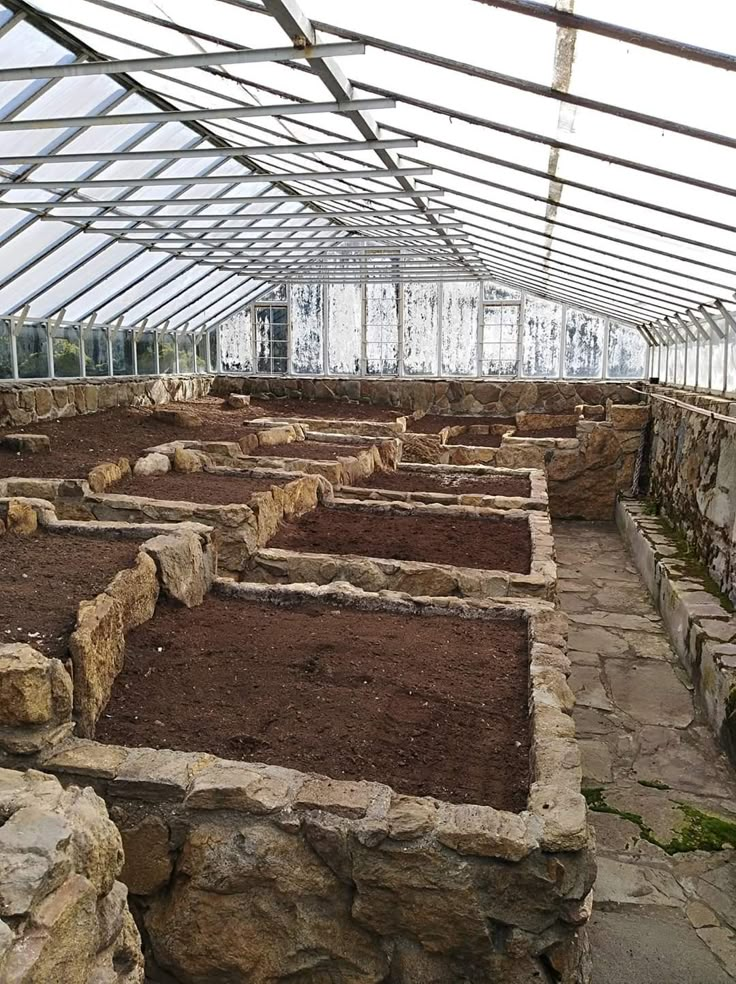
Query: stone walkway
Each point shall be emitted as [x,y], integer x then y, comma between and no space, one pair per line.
[651,765]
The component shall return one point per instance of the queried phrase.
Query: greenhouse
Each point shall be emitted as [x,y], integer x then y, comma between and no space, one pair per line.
[367,492]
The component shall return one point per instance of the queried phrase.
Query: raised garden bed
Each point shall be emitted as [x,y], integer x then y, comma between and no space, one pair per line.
[308,450]
[426,705]
[214,488]
[326,409]
[433,423]
[476,439]
[79,443]
[451,482]
[46,575]
[282,854]
[417,548]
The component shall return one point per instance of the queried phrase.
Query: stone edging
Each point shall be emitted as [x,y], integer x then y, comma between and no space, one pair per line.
[537,498]
[415,577]
[367,428]
[701,629]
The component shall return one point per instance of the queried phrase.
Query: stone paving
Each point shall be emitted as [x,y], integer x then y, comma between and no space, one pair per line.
[665,909]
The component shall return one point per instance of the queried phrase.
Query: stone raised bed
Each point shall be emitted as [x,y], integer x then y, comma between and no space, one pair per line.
[699,620]
[349,879]
[40,701]
[338,425]
[458,474]
[239,528]
[416,577]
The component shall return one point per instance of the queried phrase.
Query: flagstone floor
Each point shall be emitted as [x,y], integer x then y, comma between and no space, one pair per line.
[665,908]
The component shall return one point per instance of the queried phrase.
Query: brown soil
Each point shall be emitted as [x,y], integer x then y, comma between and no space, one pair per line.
[433,423]
[477,440]
[488,542]
[431,705]
[329,409]
[314,450]
[552,432]
[211,488]
[80,443]
[46,575]
[454,483]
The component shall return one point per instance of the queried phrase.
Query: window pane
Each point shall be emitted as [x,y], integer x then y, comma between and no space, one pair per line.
[95,352]
[421,325]
[186,353]
[459,328]
[498,292]
[583,344]
[500,340]
[146,352]
[541,343]
[344,327]
[6,360]
[627,351]
[382,328]
[201,353]
[307,319]
[122,353]
[67,356]
[33,350]
[214,363]
[166,353]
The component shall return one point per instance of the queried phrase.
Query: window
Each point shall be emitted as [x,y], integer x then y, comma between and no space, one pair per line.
[146,353]
[186,352]
[67,351]
[421,328]
[6,358]
[307,321]
[344,328]
[542,335]
[583,344]
[382,328]
[459,328]
[166,353]
[627,352]
[122,353]
[32,346]
[272,338]
[236,344]
[200,352]
[95,352]
[500,339]
[212,351]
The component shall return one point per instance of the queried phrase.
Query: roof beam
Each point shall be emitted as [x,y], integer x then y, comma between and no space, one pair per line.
[240,56]
[194,179]
[617,32]
[259,150]
[195,115]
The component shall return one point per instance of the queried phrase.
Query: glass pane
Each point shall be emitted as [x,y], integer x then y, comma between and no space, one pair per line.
[166,353]
[382,328]
[214,362]
[499,355]
[95,352]
[499,292]
[307,319]
[6,360]
[421,326]
[32,345]
[186,353]
[344,328]
[122,353]
[583,344]
[146,353]
[459,328]
[236,344]
[201,354]
[67,351]
[627,350]
[541,342]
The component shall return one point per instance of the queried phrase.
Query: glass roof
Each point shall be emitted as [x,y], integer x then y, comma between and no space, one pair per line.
[573,165]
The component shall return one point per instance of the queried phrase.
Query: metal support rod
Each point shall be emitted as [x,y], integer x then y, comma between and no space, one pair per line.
[258,150]
[195,115]
[240,56]
[254,219]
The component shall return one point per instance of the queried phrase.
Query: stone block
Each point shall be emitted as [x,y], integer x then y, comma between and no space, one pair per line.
[627,416]
[136,591]
[236,401]
[482,831]
[27,443]
[184,565]
[35,700]
[108,473]
[177,417]
[345,799]
[97,646]
[21,517]
[272,436]
[239,787]
[152,464]
[148,858]
[188,461]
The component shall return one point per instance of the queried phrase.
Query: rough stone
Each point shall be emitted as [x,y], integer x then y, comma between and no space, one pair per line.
[183,566]
[188,461]
[97,646]
[152,464]
[108,473]
[21,517]
[28,443]
[136,591]
[148,859]
[238,400]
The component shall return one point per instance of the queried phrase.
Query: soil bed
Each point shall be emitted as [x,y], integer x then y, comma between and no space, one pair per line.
[328,409]
[314,450]
[46,575]
[488,543]
[476,440]
[211,488]
[552,432]
[79,443]
[433,423]
[430,705]
[453,483]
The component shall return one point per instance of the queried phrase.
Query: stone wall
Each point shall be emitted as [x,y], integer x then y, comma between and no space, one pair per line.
[440,396]
[693,478]
[64,917]
[27,402]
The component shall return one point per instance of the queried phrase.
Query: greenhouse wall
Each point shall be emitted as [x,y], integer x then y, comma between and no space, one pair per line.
[455,330]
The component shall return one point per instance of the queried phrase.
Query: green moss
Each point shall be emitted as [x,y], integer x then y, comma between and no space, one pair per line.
[653,784]
[699,831]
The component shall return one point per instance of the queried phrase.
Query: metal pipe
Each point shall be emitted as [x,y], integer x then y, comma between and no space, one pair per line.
[255,218]
[240,56]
